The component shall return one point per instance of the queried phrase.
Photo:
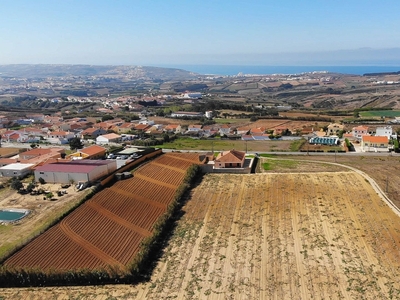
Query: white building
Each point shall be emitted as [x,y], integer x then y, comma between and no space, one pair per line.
[16,170]
[385,131]
[108,138]
[209,114]
[75,171]
[192,95]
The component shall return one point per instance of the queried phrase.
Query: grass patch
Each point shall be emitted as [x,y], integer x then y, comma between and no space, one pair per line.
[380,113]
[230,121]
[266,166]
[276,164]
[186,143]
[296,145]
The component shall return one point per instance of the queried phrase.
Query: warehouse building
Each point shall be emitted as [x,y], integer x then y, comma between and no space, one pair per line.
[75,171]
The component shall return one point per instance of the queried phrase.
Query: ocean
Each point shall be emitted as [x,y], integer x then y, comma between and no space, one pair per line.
[267,70]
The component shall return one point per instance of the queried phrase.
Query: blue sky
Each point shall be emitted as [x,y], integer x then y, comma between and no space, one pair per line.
[197,32]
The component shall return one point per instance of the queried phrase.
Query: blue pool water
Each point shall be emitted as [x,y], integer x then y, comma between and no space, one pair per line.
[11,215]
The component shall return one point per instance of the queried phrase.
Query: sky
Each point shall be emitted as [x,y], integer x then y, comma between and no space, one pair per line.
[168,32]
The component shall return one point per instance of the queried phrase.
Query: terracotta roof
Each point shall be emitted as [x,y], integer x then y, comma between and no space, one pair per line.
[37,151]
[231,156]
[111,136]
[375,139]
[91,150]
[360,128]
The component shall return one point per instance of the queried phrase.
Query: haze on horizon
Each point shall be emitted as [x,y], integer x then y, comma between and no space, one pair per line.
[176,32]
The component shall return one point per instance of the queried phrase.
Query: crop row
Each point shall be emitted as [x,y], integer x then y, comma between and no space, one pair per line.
[54,249]
[174,162]
[102,232]
[192,157]
[130,208]
[109,228]
[162,174]
[147,189]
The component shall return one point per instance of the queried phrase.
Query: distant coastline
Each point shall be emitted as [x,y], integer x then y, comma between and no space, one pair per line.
[231,70]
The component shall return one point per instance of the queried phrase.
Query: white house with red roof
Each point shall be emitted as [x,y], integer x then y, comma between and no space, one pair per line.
[230,159]
[359,131]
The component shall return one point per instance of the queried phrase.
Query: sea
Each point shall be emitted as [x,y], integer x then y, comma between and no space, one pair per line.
[231,70]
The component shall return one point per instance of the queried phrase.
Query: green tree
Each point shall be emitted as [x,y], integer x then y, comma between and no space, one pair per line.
[16,184]
[75,143]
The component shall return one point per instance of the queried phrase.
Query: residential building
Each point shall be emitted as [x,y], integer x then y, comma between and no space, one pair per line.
[385,131]
[334,129]
[230,159]
[374,143]
[92,133]
[108,138]
[359,131]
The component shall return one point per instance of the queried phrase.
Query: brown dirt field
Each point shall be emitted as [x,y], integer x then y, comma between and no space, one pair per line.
[270,236]
[292,125]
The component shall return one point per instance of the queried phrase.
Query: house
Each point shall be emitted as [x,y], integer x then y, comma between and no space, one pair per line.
[280,130]
[108,138]
[75,171]
[39,152]
[374,143]
[224,129]
[334,129]
[242,130]
[359,131]
[92,133]
[142,127]
[124,128]
[59,137]
[174,128]
[91,152]
[230,159]
[194,128]
[19,170]
[385,131]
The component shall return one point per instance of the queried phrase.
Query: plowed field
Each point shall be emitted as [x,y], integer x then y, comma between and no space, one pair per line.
[108,229]
[272,236]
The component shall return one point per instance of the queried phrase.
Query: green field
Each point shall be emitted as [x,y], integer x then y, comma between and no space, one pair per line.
[380,113]
[223,145]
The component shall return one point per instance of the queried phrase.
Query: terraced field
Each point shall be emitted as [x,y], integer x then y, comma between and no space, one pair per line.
[108,229]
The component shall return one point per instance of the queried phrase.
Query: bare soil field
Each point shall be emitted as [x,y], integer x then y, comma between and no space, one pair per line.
[324,235]
[383,169]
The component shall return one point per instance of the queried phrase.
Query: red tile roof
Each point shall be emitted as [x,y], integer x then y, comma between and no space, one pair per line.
[92,150]
[231,156]
[375,139]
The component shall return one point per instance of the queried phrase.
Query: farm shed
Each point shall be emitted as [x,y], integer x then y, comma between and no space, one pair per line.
[80,170]
[16,170]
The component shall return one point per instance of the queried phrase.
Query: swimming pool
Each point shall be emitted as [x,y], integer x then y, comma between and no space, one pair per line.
[12,214]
